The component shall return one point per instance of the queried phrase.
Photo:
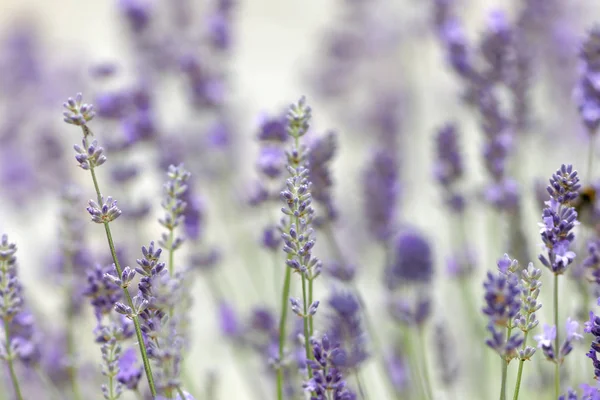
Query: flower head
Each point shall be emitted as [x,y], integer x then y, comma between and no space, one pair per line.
[78,113]
[413,259]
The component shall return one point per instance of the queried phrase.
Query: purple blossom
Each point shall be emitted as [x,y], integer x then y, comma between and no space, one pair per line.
[345,328]
[412,261]
[588,89]
[546,340]
[103,292]
[502,305]
[130,371]
[558,221]
[380,194]
[327,377]
[228,320]
[78,113]
[593,327]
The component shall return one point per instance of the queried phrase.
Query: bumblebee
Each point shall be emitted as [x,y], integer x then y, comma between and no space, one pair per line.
[585,205]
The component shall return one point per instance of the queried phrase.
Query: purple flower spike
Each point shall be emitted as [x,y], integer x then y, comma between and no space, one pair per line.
[413,260]
[130,371]
[381,192]
[327,378]
[588,89]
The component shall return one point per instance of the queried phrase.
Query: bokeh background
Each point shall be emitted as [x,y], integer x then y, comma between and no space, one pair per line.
[363,66]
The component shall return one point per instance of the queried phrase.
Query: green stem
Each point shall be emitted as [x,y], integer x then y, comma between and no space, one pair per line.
[171,252]
[359,384]
[556,341]
[71,348]
[285,294]
[505,365]
[306,333]
[590,160]
[503,387]
[424,364]
[520,371]
[111,387]
[136,321]
[48,384]
[10,358]
[310,301]
[336,249]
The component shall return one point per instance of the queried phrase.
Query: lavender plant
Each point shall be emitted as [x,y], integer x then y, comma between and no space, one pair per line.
[89,157]
[11,292]
[558,221]
[297,235]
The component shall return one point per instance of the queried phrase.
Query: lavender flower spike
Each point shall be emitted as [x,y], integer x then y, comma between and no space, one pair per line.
[11,295]
[327,378]
[588,90]
[298,233]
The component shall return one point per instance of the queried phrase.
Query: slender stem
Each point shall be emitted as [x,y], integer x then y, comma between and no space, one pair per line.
[111,386]
[9,360]
[47,382]
[590,161]
[180,392]
[504,373]
[505,365]
[306,333]
[359,384]
[424,364]
[136,321]
[556,342]
[310,301]
[285,294]
[70,315]
[520,372]
[335,247]
[171,252]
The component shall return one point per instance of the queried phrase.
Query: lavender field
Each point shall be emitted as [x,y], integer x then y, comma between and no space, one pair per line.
[325,200]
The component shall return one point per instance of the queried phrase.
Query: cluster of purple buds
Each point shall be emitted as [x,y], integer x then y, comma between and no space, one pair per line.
[381,189]
[588,90]
[149,267]
[526,320]
[158,293]
[327,381]
[588,393]
[558,220]
[592,262]
[546,341]
[298,235]
[174,206]
[120,368]
[321,152]
[103,292]
[411,264]
[346,328]
[449,168]
[90,155]
[106,213]
[78,113]
[593,326]
[18,324]
[502,306]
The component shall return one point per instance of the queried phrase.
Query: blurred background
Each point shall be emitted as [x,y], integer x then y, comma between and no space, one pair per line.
[199,82]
